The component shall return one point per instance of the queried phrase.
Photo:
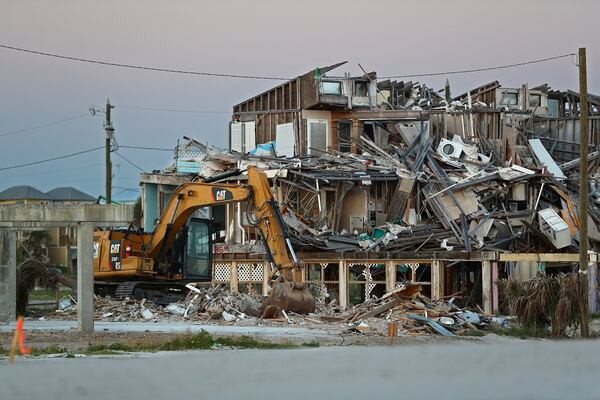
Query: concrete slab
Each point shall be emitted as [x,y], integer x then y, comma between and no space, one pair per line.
[39,215]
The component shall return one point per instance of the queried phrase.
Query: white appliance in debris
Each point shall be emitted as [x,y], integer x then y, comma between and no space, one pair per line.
[448,148]
[554,227]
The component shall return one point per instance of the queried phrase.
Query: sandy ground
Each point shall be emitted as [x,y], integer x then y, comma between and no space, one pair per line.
[42,334]
[63,334]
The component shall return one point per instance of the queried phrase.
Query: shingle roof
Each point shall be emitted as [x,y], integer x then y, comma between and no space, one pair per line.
[23,193]
[69,194]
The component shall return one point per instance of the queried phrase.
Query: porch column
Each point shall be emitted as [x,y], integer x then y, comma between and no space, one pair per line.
[85,277]
[8,275]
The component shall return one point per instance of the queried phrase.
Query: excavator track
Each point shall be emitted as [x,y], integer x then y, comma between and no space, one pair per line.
[158,292]
[125,289]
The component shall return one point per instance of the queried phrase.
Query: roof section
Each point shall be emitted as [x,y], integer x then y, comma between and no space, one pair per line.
[23,193]
[325,70]
[69,194]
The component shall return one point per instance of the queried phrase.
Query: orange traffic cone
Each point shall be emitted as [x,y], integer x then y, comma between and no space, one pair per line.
[19,339]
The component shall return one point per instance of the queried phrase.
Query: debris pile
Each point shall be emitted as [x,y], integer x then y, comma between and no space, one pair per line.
[406,308]
[412,314]
[214,303]
[416,192]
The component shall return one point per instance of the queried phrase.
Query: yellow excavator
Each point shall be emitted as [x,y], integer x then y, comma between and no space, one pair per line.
[179,250]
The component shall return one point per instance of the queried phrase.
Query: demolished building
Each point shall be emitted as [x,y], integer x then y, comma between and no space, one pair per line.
[384,183]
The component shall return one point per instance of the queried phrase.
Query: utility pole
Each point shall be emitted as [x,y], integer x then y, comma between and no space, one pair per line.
[583,191]
[108,129]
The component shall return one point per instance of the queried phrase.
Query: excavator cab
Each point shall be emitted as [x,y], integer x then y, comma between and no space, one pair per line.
[198,250]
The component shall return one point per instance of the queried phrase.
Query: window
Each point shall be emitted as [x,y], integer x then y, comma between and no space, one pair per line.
[535,100]
[369,130]
[243,136]
[361,88]
[331,87]
[317,136]
[553,108]
[344,134]
[198,260]
[509,99]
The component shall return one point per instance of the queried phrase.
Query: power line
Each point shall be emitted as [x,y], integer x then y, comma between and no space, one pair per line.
[222,75]
[43,125]
[467,71]
[172,110]
[115,64]
[130,162]
[127,189]
[55,171]
[51,159]
[145,148]
[119,193]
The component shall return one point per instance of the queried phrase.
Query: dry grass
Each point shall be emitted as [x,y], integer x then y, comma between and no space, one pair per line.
[31,274]
[546,302]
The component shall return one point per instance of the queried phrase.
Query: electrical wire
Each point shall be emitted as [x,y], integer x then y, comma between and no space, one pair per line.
[43,125]
[122,192]
[83,152]
[145,148]
[55,171]
[468,71]
[126,189]
[222,75]
[130,162]
[51,159]
[132,66]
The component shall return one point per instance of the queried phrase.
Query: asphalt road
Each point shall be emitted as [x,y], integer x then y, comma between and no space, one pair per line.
[523,370]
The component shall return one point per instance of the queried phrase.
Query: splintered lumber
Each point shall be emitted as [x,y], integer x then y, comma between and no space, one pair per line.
[403,291]
[400,198]
[329,318]
[378,310]
[398,294]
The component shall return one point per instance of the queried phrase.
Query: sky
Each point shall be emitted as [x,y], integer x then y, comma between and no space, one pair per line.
[265,37]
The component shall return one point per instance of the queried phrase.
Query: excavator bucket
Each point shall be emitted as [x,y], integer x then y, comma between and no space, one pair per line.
[289,296]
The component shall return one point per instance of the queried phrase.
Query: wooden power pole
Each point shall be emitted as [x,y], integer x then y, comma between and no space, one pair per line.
[583,190]
[108,129]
